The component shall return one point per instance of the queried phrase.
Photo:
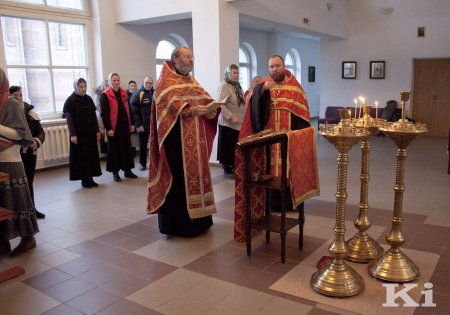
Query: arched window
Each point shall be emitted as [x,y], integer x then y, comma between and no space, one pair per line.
[289,61]
[244,68]
[163,53]
[293,64]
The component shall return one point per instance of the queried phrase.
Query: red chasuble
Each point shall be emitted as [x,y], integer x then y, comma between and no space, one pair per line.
[173,94]
[286,99]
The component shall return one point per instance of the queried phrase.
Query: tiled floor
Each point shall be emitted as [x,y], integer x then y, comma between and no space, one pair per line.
[99,253]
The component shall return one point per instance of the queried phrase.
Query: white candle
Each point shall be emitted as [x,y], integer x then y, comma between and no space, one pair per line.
[356,106]
[363,101]
[376,109]
[360,109]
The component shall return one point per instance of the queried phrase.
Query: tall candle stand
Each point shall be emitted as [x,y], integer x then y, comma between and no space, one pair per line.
[337,278]
[393,265]
[361,247]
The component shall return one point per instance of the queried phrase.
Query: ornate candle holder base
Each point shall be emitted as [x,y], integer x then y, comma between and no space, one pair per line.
[362,248]
[394,266]
[337,279]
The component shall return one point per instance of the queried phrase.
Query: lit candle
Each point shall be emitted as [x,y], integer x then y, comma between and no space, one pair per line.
[363,101]
[376,109]
[360,109]
[356,106]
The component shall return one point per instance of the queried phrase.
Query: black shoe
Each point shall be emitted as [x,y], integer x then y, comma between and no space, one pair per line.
[143,168]
[85,184]
[93,184]
[116,177]
[5,246]
[26,243]
[40,215]
[129,174]
[228,170]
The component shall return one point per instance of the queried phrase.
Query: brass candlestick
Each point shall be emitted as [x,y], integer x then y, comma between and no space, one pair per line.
[337,278]
[361,247]
[393,265]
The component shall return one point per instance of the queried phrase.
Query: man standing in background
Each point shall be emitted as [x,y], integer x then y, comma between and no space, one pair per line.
[141,103]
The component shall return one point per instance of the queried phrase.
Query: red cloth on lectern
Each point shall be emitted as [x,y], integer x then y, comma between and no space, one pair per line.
[286,99]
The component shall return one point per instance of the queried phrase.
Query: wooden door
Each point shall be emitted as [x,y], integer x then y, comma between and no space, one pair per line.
[431,95]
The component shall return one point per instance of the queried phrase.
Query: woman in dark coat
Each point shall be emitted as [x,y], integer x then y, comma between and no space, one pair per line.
[82,122]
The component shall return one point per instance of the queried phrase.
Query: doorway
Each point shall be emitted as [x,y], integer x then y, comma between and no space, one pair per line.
[431,95]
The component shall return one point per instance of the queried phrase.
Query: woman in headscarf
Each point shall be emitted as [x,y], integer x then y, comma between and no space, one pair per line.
[96,97]
[14,192]
[84,133]
[118,122]
[29,155]
[230,119]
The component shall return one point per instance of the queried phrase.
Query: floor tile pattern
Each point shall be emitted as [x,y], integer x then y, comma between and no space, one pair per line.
[99,253]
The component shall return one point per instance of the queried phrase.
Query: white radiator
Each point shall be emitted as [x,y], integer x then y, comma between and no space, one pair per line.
[56,144]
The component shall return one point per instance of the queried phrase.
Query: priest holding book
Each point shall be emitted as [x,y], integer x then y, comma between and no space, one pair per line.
[182,130]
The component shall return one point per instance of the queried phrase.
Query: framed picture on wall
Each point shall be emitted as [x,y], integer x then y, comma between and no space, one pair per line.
[348,69]
[377,69]
[311,74]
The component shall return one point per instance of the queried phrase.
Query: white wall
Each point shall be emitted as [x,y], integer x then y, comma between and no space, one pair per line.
[290,12]
[130,50]
[376,36]
[371,36]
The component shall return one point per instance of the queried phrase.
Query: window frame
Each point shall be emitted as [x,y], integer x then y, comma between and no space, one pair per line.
[160,61]
[51,15]
[245,82]
[296,67]
[293,67]
[47,8]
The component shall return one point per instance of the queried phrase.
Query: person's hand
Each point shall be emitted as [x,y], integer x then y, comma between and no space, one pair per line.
[34,145]
[234,119]
[99,135]
[268,85]
[211,115]
[140,129]
[131,128]
[110,133]
[199,110]
[74,139]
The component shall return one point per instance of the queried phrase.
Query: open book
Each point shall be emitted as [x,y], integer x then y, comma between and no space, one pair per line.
[216,104]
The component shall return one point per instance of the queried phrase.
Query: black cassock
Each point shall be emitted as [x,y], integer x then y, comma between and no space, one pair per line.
[84,159]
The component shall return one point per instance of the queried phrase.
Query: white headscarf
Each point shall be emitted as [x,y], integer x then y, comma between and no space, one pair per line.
[110,80]
[76,89]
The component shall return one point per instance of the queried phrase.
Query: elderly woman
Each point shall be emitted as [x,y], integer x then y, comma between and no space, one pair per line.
[118,122]
[230,119]
[84,133]
[14,192]
[29,155]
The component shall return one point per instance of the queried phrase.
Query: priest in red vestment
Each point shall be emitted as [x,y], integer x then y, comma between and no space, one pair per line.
[278,103]
[181,135]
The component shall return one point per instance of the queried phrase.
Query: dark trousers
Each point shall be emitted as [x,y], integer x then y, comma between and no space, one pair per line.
[143,151]
[29,163]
